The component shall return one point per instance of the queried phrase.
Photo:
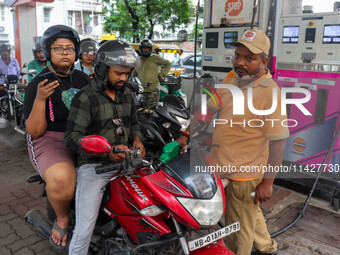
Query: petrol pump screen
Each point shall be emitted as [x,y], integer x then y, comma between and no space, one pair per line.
[230,37]
[331,34]
[290,34]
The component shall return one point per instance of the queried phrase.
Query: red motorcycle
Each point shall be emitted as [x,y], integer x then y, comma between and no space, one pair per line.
[156,209]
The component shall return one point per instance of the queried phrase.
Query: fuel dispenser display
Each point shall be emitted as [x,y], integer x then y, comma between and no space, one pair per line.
[305,53]
[308,57]
[224,22]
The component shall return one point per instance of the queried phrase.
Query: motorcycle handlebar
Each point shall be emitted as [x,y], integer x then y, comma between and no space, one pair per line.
[110,167]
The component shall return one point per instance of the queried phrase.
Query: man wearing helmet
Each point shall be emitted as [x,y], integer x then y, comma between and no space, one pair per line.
[39,62]
[105,107]
[8,65]
[153,69]
[88,50]
[46,108]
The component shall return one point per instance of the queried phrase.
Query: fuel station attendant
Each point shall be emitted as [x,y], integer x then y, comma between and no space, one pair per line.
[245,146]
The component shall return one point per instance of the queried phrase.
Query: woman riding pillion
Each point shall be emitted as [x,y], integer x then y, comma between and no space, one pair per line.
[46,109]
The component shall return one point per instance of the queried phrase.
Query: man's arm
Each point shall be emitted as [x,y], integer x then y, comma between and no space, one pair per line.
[164,63]
[136,134]
[30,67]
[18,68]
[265,189]
[196,124]
[134,73]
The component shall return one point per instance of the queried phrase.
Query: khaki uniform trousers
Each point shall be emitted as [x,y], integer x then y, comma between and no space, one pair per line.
[240,207]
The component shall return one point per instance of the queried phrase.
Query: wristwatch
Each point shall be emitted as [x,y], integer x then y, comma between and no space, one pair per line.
[186,134]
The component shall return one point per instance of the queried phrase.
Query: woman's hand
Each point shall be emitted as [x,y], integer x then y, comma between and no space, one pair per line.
[46,89]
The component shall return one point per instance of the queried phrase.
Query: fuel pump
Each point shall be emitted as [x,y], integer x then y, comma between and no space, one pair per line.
[308,57]
[305,54]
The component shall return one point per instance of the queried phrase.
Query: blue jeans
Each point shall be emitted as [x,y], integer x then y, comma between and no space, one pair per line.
[87,203]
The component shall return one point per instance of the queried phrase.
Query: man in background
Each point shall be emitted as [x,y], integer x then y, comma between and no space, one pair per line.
[39,62]
[153,69]
[8,66]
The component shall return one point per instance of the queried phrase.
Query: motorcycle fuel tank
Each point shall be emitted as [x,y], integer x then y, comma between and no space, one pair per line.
[130,194]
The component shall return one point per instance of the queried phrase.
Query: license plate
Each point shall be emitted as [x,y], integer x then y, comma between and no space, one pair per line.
[214,236]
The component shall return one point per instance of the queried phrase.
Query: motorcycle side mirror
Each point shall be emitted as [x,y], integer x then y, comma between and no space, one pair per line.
[25,65]
[32,72]
[95,144]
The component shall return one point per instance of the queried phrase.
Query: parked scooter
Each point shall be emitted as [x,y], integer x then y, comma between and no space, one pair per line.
[12,103]
[154,209]
[171,85]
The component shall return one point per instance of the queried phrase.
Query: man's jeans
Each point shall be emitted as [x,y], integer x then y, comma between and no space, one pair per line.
[88,200]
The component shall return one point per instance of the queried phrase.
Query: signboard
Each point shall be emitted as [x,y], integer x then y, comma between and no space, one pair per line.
[231,12]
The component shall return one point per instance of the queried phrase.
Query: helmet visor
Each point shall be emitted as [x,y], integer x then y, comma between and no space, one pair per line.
[125,57]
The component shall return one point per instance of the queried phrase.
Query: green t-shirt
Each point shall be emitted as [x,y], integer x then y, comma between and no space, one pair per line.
[34,65]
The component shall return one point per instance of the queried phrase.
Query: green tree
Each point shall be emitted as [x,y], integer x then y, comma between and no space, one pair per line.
[135,19]
[199,31]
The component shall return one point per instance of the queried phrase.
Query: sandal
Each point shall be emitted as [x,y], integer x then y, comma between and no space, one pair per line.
[62,232]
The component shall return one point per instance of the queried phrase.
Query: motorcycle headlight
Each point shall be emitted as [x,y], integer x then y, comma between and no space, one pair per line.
[184,123]
[206,212]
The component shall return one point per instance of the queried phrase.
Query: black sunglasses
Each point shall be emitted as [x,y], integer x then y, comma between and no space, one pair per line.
[117,121]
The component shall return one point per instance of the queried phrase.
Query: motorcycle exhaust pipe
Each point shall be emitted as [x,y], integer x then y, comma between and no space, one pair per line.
[39,222]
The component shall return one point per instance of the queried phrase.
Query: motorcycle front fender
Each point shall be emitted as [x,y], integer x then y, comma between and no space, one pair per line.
[217,248]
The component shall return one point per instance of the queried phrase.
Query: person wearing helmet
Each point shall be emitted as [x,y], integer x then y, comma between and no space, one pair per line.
[153,69]
[8,66]
[88,50]
[105,107]
[39,62]
[46,107]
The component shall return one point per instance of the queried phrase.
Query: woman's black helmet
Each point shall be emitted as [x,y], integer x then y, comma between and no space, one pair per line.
[88,46]
[145,43]
[52,33]
[114,53]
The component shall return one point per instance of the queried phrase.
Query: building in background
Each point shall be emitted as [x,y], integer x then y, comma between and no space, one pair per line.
[6,24]
[22,22]
[83,15]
